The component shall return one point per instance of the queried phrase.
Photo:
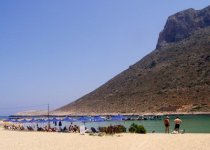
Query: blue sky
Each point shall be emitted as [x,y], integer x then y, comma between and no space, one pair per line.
[57,51]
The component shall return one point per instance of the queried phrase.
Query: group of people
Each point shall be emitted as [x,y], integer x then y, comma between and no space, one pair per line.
[177,123]
[13,127]
[19,127]
[74,128]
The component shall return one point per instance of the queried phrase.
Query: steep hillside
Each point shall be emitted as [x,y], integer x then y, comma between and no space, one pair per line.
[174,77]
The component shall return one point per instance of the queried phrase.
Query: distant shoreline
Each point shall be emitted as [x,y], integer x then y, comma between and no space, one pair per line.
[111,114]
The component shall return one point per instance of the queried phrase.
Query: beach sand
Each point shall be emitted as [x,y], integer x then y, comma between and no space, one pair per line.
[23,140]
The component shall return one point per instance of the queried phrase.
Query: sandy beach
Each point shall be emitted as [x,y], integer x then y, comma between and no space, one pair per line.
[23,140]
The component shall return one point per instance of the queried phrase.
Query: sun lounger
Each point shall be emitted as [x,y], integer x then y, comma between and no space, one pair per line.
[93,130]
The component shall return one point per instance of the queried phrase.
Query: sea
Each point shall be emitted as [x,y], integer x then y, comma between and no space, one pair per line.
[3,117]
[190,123]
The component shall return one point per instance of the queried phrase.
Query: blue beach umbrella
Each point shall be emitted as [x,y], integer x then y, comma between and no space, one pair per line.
[67,119]
[14,121]
[118,118]
[41,121]
[54,120]
[98,119]
[32,121]
[84,119]
[24,121]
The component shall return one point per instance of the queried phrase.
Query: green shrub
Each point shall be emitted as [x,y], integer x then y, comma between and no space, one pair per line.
[113,129]
[134,128]
[121,128]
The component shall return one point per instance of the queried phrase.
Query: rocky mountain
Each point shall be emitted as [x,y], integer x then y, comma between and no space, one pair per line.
[175,77]
[183,24]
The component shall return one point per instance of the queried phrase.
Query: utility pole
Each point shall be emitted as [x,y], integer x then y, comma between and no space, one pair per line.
[48,115]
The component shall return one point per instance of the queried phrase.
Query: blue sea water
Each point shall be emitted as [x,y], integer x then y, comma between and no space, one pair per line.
[190,123]
[3,117]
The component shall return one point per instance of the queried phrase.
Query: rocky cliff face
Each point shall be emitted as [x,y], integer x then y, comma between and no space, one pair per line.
[174,77]
[183,24]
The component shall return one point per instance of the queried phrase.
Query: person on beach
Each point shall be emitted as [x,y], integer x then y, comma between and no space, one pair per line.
[60,125]
[167,124]
[177,122]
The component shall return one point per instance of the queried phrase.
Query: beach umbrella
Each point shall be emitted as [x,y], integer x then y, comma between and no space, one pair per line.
[67,119]
[32,121]
[84,119]
[14,121]
[118,118]
[24,121]
[41,121]
[54,120]
[98,119]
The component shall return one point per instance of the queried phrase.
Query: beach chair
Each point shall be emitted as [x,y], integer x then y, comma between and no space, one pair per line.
[93,130]
[30,128]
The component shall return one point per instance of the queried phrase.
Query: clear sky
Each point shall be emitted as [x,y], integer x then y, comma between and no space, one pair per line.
[57,51]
